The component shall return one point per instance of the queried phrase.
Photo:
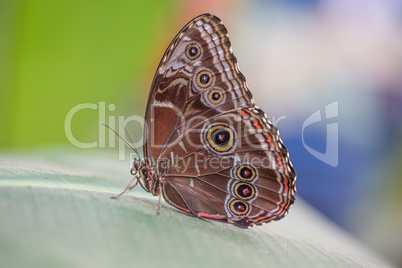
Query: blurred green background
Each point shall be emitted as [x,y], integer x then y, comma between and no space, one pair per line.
[298,56]
[57,54]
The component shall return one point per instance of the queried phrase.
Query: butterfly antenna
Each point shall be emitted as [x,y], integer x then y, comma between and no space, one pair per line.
[131,140]
[126,142]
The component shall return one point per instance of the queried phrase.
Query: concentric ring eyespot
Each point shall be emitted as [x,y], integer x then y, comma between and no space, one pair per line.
[193,51]
[246,172]
[215,96]
[204,79]
[239,207]
[244,191]
[220,138]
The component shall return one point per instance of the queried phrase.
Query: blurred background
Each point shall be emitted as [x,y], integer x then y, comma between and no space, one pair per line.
[328,73]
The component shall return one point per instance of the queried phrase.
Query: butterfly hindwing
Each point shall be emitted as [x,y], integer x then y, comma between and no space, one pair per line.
[251,171]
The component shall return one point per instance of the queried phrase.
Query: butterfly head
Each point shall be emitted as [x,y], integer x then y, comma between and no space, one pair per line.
[137,166]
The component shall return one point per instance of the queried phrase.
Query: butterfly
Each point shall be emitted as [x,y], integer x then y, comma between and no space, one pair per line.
[208,150]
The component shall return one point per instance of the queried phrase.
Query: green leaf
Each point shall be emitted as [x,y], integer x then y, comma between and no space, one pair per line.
[56,212]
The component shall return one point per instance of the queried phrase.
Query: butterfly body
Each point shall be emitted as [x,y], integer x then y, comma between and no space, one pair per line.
[209,151]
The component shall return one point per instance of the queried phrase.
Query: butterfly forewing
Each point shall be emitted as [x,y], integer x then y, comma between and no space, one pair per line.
[179,95]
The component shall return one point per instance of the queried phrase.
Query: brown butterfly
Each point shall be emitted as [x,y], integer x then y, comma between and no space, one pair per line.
[208,149]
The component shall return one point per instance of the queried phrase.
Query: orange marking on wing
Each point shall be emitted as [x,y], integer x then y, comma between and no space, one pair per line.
[269,140]
[278,157]
[211,216]
[244,113]
[261,218]
[286,183]
[182,208]
[282,207]
[257,124]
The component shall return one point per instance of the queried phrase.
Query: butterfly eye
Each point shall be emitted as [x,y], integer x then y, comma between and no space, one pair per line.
[220,138]
[239,207]
[193,51]
[246,173]
[244,191]
[204,79]
[215,96]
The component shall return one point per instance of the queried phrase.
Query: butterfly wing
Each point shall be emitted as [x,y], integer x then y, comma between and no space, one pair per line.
[198,59]
[245,180]
[215,153]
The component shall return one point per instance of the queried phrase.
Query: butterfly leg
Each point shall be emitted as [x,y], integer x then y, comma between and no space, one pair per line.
[135,184]
[159,204]
[127,187]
